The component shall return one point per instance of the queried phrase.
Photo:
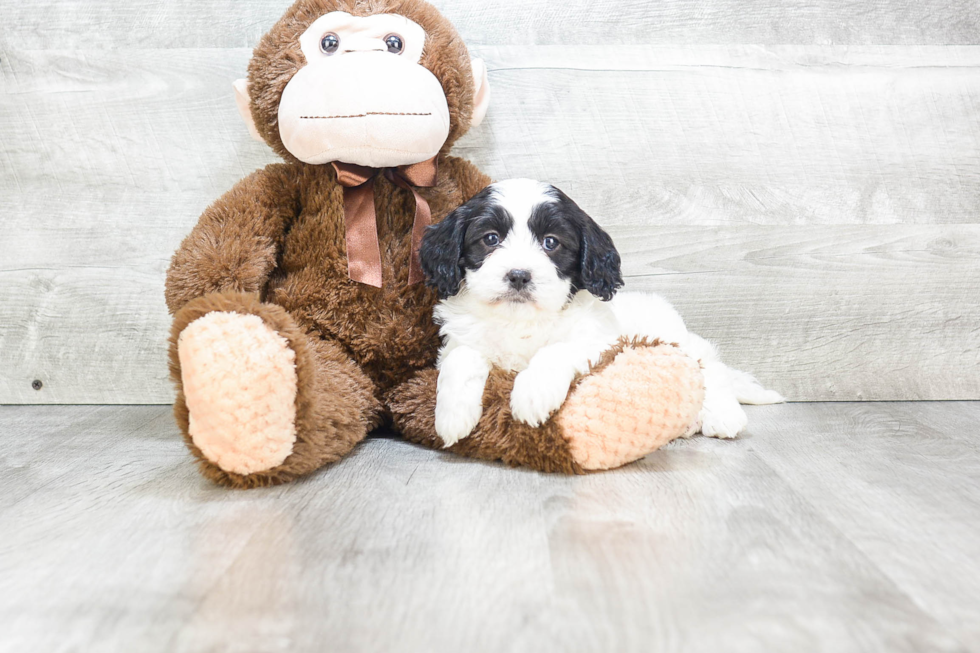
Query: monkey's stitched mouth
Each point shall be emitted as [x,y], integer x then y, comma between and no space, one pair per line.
[363,115]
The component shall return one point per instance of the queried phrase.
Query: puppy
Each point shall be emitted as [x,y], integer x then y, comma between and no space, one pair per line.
[528,282]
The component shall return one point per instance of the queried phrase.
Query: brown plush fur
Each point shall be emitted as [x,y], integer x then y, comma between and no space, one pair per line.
[274,246]
[497,436]
[250,241]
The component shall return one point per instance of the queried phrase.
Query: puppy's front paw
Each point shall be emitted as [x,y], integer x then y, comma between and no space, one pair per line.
[725,421]
[536,395]
[456,418]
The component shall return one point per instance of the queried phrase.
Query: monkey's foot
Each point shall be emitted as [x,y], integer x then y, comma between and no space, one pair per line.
[644,398]
[239,380]
[259,400]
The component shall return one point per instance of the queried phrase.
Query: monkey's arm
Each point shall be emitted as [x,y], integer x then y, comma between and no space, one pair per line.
[635,399]
[235,243]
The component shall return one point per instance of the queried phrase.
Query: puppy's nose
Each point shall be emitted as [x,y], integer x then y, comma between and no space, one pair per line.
[518,279]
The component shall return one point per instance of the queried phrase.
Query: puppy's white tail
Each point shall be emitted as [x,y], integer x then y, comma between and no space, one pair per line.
[749,391]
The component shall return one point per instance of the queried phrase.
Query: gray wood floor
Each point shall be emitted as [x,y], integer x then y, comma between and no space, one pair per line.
[830,527]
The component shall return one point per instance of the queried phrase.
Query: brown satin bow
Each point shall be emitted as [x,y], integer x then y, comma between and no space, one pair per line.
[363,247]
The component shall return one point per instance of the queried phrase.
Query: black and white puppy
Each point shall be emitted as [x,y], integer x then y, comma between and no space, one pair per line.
[528,283]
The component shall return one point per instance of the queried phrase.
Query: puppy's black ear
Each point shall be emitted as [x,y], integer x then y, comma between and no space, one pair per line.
[600,263]
[441,254]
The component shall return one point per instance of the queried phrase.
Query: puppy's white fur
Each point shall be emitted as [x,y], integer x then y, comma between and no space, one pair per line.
[548,338]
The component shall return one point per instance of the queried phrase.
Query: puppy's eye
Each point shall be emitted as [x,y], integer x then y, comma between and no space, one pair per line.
[550,243]
[330,43]
[491,240]
[395,43]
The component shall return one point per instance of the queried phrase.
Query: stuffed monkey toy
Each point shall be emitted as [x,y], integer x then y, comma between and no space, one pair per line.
[300,322]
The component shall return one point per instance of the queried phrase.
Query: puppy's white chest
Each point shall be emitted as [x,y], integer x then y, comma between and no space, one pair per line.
[512,346]
[509,339]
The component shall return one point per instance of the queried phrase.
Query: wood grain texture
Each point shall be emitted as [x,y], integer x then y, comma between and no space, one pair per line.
[760,157]
[826,313]
[786,135]
[898,480]
[823,312]
[57,24]
[829,528]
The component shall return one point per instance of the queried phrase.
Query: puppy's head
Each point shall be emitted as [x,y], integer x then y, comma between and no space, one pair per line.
[520,242]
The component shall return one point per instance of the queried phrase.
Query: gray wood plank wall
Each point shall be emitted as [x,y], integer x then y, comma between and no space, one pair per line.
[801,178]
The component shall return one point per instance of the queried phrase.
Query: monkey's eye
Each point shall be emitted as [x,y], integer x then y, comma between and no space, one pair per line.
[491,240]
[330,43]
[550,243]
[394,43]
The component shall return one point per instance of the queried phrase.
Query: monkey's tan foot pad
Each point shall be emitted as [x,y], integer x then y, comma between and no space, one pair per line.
[239,379]
[646,397]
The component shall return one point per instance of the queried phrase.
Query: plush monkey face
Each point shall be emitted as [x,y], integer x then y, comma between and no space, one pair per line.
[394,111]
[377,84]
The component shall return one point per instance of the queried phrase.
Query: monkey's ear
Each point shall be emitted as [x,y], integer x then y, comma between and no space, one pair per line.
[441,254]
[481,94]
[244,102]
